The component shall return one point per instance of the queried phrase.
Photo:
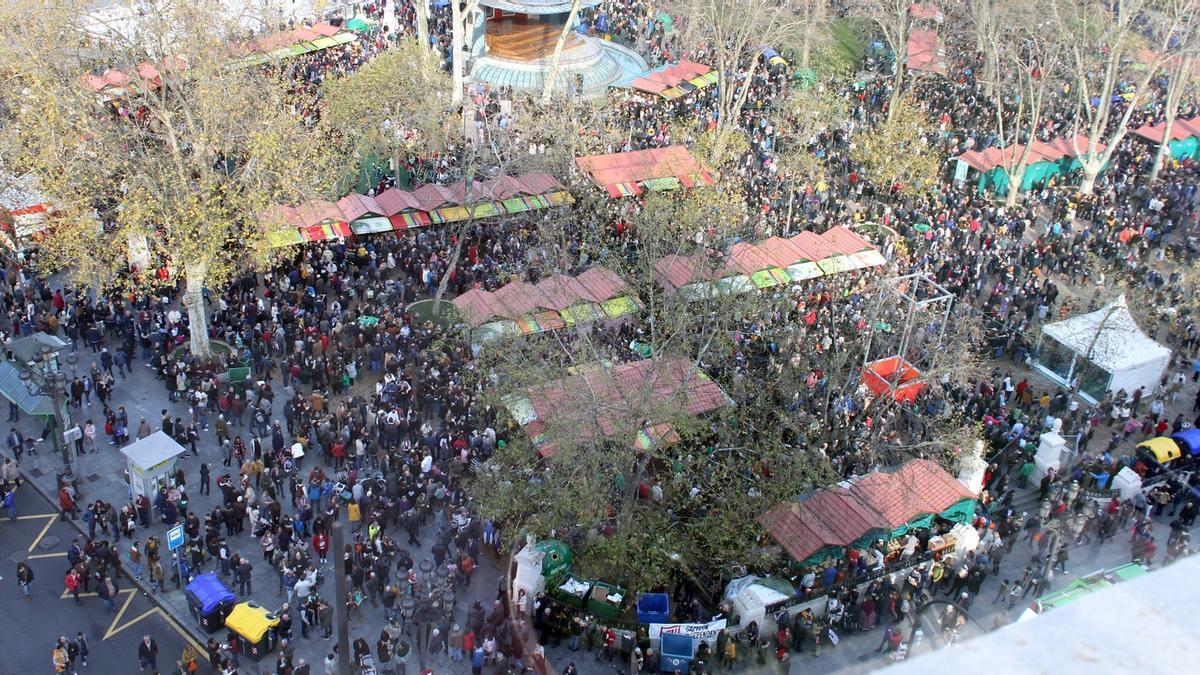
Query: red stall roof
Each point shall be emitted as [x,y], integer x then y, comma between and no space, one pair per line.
[1182,128]
[925,52]
[609,401]
[556,293]
[926,10]
[838,516]
[609,171]
[425,198]
[655,82]
[677,271]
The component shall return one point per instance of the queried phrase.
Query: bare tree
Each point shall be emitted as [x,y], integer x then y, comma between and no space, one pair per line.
[814,15]
[1104,40]
[736,30]
[891,18]
[1030,58]
[552,72]
[1181,72]
[421,7]
[988,19]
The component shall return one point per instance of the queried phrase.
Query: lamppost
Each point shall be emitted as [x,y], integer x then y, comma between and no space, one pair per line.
[42,375]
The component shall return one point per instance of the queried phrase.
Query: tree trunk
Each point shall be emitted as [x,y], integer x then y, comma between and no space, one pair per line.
[1091,169]
[1014,186]
[806,37]
[1164,149]
[193,301]
[422,10]
[1175,87]
[445,281]
[897,86]
[552,73]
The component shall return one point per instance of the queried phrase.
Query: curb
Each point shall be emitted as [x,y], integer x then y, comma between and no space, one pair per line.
[182,621]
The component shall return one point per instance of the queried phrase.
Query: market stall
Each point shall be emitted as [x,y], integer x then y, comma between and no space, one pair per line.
[883,506]
[1103,351]
[772,262]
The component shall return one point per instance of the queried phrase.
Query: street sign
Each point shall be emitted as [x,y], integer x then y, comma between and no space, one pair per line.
[72,434]
[175,537]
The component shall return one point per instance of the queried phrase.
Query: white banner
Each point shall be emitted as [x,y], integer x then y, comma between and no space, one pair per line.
[706,632]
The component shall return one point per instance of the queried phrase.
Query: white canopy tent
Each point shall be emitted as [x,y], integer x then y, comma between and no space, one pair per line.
[1104,350]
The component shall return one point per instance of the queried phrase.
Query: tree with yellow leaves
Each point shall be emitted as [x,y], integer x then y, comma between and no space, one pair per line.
[896,153]
[166,160]
[393,105]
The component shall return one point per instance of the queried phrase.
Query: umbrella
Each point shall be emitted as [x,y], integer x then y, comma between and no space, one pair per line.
[358,25]
[922,227]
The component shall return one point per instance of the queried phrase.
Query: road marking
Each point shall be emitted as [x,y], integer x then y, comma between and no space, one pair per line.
[113,628]
[116,626]
[51,518]
[37,515]
[40,556]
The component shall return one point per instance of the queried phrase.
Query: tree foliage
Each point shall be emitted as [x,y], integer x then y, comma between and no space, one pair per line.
[395,103]
[896,152]
[182,156]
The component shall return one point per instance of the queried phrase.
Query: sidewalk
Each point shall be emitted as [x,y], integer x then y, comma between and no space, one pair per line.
[101,476]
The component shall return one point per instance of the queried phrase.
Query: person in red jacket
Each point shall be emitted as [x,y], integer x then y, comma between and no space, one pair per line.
[67,501]
[320,543]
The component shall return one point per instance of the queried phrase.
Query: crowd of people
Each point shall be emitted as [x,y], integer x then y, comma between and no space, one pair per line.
[353,399]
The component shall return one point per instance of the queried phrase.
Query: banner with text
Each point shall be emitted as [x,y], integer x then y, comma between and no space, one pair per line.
[706,632]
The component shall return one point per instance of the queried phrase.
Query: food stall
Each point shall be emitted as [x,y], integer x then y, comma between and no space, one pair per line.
[209,601]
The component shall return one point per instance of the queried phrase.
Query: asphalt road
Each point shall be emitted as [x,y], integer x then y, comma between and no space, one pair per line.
[32,626]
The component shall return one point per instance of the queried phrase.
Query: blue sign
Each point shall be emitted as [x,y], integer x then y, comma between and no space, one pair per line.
[175,537]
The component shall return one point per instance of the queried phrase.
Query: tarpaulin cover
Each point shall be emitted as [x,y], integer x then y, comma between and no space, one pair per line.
[1163,448]
[371,225]
[895,374]
[209,593]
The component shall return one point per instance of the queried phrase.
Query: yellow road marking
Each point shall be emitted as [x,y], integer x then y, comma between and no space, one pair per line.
[179,629]
[40,556]
[116,626]
[50,520]
[112,627]
[37,515]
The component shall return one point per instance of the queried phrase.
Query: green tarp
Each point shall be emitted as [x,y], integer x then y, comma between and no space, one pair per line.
[997,180]
[667,22]
[1184,148]
[961,512]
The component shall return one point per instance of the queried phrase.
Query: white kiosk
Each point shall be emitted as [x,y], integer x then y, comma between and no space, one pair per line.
[150,462]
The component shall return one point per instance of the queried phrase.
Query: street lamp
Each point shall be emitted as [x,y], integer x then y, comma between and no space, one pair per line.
[42,375]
